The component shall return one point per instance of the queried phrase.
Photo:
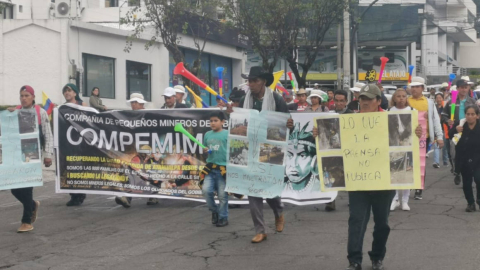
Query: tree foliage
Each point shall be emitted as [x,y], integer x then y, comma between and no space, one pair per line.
[165,20]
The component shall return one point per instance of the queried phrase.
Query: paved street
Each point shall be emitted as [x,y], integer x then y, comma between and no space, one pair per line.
[436,234]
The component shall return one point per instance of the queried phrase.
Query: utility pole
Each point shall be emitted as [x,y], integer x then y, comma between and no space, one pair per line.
[346,49]
[339,56]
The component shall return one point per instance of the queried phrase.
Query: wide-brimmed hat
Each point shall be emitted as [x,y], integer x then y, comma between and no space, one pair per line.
[417,81]
[357,87]
[467,78]
[302,91]
[138,97]
[259,72]
[444,85]
[316,93]
[181,89]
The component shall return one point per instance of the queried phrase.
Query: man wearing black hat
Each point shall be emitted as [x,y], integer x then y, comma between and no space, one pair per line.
[362,202]
[463,101]
[261,97]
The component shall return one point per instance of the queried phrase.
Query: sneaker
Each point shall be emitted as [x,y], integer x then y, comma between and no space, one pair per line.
[329,207]
[418,194]
[405,207]
[377,265]
[25,228]
[436,165]
[222,222]
[471,208]
[214,218]
[123,201]
[394,205]
[152,201]
[35,211]
[354,266]
[428,153]
[457,179]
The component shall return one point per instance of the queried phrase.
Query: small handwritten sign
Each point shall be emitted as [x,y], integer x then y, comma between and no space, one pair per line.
[368,151]
[256,152]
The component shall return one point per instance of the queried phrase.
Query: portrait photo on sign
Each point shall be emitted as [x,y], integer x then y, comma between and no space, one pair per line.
[276,130]
[301,163]
[239,125]
[30,150]
[271,154]
[329,134]
[333,172]
[26,121]
[401,168]
[238,152]
[400,129]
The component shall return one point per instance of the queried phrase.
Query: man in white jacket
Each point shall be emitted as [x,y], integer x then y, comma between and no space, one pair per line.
[423,104]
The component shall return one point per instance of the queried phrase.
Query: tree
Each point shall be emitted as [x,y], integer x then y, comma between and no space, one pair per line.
[165,20]
[318,17]
[270,25]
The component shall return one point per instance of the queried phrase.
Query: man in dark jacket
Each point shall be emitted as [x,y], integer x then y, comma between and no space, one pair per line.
[463,101]
[171,100]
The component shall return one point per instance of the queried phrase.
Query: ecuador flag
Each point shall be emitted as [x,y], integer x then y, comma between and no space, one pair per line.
[47,104]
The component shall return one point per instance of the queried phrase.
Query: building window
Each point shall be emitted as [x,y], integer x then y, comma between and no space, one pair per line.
[8,12]
[99,72]
[139,79]
[20,8]
[111,3]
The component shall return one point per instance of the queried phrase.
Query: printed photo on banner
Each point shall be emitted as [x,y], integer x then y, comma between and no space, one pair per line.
[400,129]
[30,150]
[301,166]
[238,152]
[401,168]
[333,172]
[329,134]
[26,121]
[239,125]
[271,154]
[276,130]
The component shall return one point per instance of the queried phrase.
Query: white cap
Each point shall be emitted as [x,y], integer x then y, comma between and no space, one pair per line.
[417,81]
[357,87]
[180,89]
[169,92]
[316,84]
[453,88]
[444,85]
[138,97]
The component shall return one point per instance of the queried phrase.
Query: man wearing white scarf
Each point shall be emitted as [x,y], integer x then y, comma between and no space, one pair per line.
[261,97]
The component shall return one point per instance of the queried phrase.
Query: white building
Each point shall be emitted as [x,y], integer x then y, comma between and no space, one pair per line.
[47,45]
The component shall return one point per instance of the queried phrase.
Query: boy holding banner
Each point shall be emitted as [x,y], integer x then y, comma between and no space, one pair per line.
[214,172]
[362,202]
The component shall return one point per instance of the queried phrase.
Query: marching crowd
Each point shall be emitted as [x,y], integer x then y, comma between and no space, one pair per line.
[444,130]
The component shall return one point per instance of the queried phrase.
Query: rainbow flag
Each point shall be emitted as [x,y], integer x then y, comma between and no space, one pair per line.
[47,104]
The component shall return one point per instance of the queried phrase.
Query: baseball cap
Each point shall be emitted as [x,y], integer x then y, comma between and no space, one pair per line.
[169,92]
[370,91]
[461,82]
[357,87]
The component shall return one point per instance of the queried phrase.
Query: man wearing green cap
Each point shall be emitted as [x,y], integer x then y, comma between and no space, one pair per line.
[72,95]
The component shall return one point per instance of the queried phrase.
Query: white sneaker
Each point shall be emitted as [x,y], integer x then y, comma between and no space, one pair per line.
[405,207]
[394,205]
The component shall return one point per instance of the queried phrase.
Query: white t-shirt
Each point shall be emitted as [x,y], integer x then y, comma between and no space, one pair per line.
[408,108]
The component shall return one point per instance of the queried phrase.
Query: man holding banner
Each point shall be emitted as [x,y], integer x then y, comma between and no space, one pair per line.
[261,98]
[25,195]
[362,202]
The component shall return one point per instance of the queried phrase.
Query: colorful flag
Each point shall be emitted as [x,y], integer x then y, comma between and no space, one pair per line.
[48,105]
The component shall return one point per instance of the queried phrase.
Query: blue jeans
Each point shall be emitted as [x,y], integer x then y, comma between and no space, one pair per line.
[215,182]
[436,153]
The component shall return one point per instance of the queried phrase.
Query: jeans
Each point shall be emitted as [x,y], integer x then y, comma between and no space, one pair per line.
[468,177]
[436,154]
[361,203]
[25,196]
[215,182]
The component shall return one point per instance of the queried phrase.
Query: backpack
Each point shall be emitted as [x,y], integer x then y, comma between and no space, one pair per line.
[39,118]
